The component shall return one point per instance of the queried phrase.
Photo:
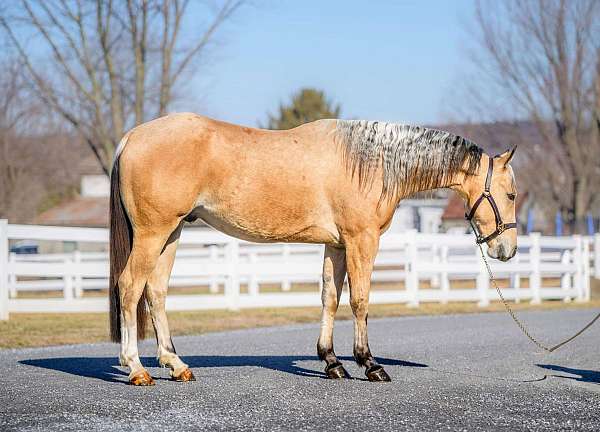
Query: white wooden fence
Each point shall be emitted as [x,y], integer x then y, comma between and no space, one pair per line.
[555,268]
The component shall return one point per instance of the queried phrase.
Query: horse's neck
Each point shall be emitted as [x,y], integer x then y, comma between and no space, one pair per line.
[460,183]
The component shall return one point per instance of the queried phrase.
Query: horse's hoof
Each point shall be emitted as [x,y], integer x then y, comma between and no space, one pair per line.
[376,373]
[184,376]
[141,378]
[336,371]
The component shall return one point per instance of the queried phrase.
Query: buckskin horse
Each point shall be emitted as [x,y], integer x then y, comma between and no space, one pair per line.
[334,182]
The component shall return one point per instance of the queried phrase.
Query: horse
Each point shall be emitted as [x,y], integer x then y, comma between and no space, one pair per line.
[334,182]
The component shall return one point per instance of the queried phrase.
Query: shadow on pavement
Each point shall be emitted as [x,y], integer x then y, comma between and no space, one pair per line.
[585,375]
[107,369]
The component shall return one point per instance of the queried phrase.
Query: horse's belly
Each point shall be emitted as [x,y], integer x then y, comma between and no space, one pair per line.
[266,228]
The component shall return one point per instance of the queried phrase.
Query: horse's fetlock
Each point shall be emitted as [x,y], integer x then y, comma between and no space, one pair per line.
[123,360]
[362,355]
[325,352]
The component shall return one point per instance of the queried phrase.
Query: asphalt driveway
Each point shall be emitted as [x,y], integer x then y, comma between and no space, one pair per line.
[467,372]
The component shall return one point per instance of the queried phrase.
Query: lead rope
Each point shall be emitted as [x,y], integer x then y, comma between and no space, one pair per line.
[520,324]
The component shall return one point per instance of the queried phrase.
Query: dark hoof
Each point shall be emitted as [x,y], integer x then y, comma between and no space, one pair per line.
[336,371]
[376,373]
[184,376]
[142,378]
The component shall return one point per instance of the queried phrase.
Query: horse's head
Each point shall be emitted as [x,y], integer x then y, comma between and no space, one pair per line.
[491,196]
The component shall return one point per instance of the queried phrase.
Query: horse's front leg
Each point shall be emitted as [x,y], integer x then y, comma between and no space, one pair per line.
[334,272]
[360,257]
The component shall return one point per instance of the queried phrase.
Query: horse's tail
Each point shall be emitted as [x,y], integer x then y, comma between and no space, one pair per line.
[121,238]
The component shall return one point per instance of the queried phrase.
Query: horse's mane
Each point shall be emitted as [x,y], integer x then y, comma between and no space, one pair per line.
[413,158]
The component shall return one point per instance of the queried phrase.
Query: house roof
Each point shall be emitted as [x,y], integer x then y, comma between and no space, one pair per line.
[85,212]
[455,209]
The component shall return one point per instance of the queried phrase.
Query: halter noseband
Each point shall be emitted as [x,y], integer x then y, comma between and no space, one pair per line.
[500,226]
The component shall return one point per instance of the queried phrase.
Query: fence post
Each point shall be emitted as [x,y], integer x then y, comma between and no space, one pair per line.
[435,277]
[12,278]
[577,260]
[77,279]
[515,279]
[565,280]
[3,269]
[286,285]
[412,276]
[586,271]
[597,256]
[252,281]
[213,286]
[232,285]
[535,277]
[68,280]
[482,282]
[444,280]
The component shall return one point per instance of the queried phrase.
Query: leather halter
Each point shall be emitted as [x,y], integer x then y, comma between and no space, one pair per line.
[486,194]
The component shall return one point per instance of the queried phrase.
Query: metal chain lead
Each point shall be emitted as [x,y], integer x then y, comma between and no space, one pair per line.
[520,324]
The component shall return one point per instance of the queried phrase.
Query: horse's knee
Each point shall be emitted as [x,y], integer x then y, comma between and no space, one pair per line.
[359,307]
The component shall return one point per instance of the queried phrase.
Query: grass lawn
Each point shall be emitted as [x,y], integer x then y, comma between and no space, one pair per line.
[33,330]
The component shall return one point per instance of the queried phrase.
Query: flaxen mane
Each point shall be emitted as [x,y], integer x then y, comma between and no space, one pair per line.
[413,158]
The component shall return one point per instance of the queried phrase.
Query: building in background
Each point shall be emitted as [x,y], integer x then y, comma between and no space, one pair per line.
[422,213]
[89,208]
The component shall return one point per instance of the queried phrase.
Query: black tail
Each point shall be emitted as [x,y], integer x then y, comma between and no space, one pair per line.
[121,238]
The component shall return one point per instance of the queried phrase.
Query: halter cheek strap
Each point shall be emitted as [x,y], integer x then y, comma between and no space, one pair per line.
[486,194]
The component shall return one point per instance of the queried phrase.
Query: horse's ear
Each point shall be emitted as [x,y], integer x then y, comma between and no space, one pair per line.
[507,156]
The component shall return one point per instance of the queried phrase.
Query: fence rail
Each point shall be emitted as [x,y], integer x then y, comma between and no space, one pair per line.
[426,264]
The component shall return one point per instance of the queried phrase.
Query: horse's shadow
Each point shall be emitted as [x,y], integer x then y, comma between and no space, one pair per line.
[585,375]
[106,368]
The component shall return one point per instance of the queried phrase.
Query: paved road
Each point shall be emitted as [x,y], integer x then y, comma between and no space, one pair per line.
[472,372]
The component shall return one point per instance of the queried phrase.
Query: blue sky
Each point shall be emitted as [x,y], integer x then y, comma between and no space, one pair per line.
[385,60]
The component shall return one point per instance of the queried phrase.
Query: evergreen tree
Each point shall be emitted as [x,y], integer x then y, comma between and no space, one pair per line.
[307,105]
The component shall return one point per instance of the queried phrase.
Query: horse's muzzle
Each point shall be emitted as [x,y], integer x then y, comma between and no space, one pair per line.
[501,251]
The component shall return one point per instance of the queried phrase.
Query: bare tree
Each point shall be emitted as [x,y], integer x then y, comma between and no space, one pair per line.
[95,62]
[541,58]
[36,156]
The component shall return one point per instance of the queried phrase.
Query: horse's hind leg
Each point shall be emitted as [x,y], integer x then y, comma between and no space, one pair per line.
[146,249]
[156,290]
[334,272]
[360,257]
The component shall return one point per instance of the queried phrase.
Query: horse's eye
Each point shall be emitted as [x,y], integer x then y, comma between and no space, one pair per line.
[512,196]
